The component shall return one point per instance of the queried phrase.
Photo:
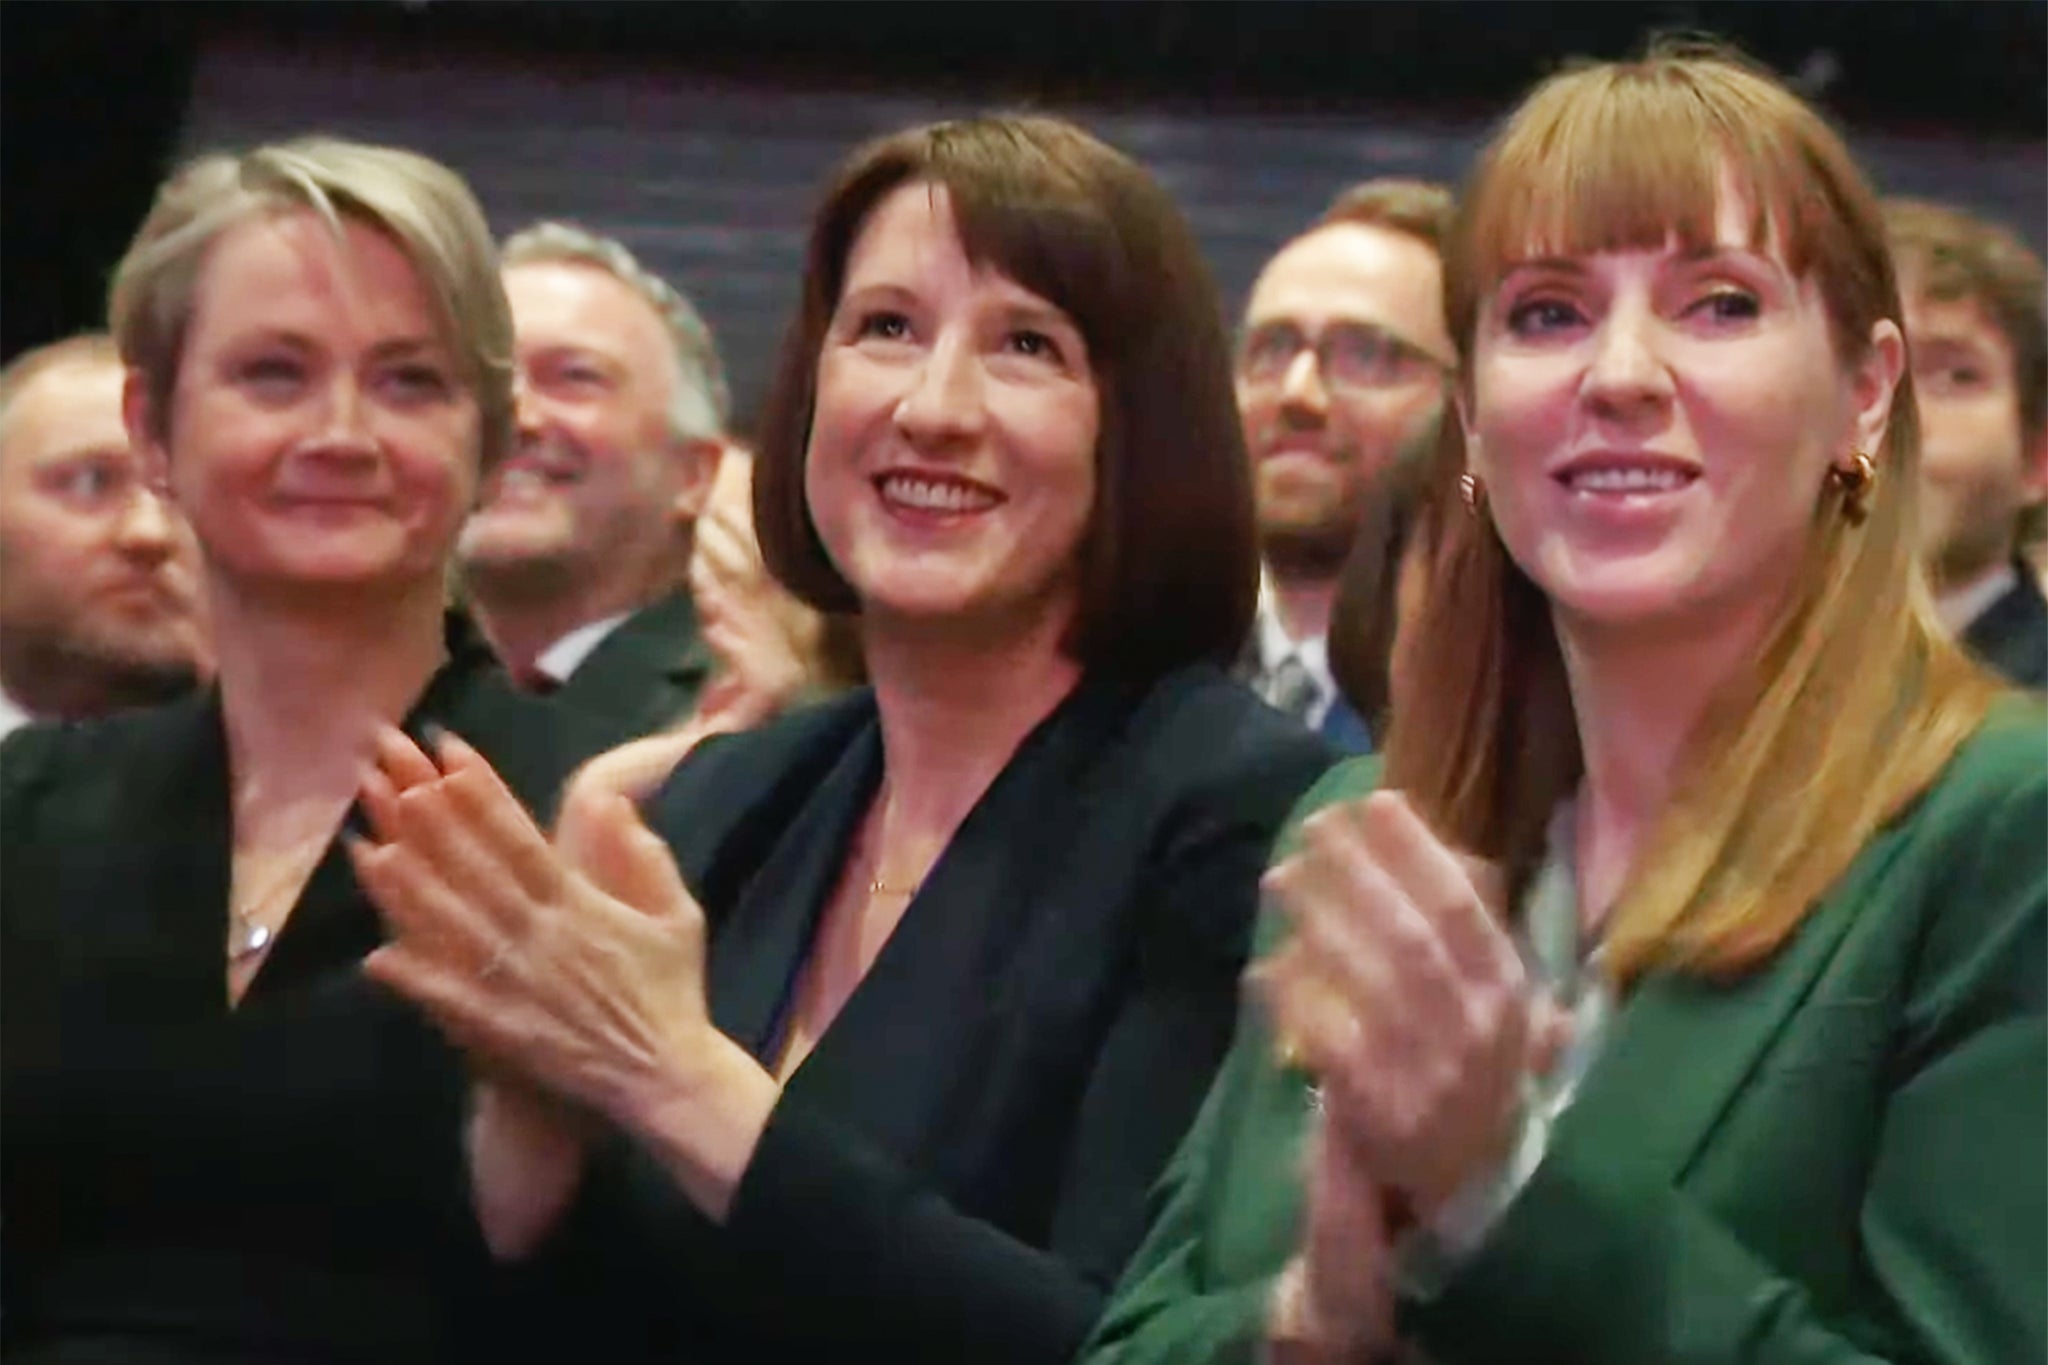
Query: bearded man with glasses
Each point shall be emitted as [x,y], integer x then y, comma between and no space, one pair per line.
[1341,370]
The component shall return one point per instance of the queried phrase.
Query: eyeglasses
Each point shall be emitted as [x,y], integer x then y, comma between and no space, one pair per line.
[1349,355]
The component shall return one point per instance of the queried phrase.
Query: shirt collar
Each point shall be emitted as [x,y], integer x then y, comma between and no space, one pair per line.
[12,715]
[1958,607]
[567,654]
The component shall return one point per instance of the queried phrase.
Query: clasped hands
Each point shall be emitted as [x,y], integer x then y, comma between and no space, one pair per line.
[1402,993]
[570,971]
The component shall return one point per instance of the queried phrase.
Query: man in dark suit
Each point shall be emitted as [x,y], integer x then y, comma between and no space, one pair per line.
[99,589]
[1979,342]
[1341,370]
[575,560]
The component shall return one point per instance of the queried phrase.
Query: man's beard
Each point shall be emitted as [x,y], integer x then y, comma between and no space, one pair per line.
[1310,551]
[75,675]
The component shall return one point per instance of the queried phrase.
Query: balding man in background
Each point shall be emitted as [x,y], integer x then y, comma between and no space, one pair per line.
[99,589]
[575,561]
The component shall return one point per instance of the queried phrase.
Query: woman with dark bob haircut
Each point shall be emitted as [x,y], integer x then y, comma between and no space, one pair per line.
[874,1041]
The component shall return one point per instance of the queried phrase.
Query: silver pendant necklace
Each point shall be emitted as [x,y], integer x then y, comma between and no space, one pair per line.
[246,937]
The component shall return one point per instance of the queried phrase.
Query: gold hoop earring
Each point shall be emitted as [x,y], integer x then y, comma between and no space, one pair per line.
[1471,492]
[1855,481]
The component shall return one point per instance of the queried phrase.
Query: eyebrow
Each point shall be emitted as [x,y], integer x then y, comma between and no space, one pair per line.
[1575,265]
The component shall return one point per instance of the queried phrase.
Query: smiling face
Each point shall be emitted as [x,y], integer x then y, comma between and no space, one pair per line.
[1655,426]
[318,437]
[600,485]
[951,466]
[1317,440]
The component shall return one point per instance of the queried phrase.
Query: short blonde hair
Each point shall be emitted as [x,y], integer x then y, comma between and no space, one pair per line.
[1857,700]
[424,207]
[701,407]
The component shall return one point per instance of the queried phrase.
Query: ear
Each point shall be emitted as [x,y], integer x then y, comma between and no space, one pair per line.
[697,463]
[139,416]
[2034,466]
[1875,382]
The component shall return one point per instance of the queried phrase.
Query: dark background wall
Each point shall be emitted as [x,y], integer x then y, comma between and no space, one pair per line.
[700,132]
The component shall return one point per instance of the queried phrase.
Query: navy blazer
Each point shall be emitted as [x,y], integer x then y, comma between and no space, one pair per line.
[959,1169]
[181,1181]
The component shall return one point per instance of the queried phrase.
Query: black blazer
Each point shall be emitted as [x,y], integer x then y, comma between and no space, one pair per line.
[959,1169]
[646,674]
[2012,634]
[182,1182]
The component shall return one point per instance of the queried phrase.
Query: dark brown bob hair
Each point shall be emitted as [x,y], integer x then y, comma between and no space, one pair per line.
[1168,563]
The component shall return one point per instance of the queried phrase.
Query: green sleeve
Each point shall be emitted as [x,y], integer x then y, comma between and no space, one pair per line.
[1164,1308]
[1195,1294]
[1591,1267]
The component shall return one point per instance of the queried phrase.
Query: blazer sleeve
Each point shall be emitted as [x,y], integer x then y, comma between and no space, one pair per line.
[1168,1310]
[883,1263]
[1589,1267]
[1173,1306]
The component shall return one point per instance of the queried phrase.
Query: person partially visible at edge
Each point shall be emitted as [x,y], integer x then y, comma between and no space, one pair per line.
[1341,370]
[1977,333]
[886,1028]
[99,597]
[221,1141]
[770,651]
[574,565]
[1674,990]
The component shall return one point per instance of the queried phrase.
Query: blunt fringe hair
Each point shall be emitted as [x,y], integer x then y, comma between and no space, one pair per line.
[1857,700]
[424,207]
[1168,562]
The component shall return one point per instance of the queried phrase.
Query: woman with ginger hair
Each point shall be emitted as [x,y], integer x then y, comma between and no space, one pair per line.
[1751,1068]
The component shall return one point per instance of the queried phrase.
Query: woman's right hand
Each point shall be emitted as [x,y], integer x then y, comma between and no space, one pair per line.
[1334,1303]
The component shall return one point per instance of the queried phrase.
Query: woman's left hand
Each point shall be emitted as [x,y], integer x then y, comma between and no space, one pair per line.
[1401,991]
[589,986]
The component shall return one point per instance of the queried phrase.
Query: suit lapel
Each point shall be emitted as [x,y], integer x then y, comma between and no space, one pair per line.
[768,931]
[1693,1043]
[947,968]
[645,671]
[169,881]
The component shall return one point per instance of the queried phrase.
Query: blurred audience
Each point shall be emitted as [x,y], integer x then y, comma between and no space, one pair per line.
[771,651]
[1978,335]
[1674,989]
[1340,374]
[223,1142]
[99,587]
[974,932]
[575,562]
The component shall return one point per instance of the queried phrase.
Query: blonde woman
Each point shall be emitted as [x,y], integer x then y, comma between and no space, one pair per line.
[1678,995]
[222,1142]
